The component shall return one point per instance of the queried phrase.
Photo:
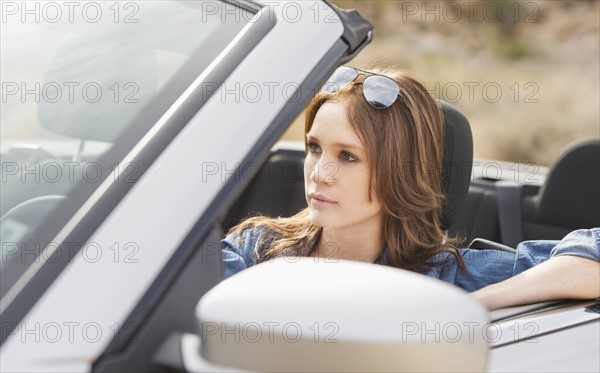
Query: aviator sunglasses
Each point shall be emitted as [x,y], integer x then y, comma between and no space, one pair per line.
[380,91]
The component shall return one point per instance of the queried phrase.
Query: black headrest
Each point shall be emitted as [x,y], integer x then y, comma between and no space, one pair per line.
[457,163]
[570,197]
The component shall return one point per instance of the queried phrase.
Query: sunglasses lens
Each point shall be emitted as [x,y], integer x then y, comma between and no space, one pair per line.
[342,75]
[380,91]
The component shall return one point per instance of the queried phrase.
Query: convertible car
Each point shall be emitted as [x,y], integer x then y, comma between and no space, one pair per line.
[134,134]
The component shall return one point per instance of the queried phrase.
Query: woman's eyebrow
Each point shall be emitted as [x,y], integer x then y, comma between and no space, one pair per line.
[336,144]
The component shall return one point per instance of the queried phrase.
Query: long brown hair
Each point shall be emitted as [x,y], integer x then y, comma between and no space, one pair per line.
[405,142]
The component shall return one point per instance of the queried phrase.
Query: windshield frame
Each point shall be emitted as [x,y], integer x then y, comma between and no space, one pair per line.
[141,144]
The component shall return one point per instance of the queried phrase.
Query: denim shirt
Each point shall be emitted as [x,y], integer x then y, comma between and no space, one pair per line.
[483,267]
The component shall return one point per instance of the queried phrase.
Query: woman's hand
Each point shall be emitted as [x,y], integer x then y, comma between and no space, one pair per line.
[561,277]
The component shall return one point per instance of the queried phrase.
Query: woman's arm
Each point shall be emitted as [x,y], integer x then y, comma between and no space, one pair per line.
[538,271]
[561,277]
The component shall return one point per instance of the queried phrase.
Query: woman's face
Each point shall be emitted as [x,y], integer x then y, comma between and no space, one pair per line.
[336,173]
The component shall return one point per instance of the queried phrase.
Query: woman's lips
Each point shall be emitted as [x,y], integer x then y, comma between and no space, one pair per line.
[320,200]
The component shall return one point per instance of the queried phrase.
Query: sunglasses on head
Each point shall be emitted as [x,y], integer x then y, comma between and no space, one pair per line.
[380,91]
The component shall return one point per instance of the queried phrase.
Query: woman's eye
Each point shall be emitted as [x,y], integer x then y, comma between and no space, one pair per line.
[348,157]
[313,147]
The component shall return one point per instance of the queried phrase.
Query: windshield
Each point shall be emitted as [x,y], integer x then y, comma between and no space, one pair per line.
[79,79]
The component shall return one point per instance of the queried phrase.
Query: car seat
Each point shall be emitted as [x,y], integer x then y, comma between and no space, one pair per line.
[570,196]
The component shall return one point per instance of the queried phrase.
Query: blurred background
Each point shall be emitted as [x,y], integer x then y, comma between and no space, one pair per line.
[525,73]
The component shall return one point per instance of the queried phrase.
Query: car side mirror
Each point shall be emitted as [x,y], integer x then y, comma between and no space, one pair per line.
[308,314]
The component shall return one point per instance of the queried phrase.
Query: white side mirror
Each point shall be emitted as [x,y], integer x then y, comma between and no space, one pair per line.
[303,314]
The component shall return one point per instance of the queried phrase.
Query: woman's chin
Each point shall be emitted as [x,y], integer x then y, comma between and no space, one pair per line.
[318,218]
[322,219]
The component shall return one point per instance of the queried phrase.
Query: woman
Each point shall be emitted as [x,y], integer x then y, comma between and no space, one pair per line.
[374,143]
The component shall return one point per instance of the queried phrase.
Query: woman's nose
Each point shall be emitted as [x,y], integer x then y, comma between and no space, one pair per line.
[323,171]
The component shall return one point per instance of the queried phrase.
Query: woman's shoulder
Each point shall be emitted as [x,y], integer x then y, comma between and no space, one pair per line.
[246,239]
[240,248]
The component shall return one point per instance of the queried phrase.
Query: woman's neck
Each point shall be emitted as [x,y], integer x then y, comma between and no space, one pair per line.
[352,243]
